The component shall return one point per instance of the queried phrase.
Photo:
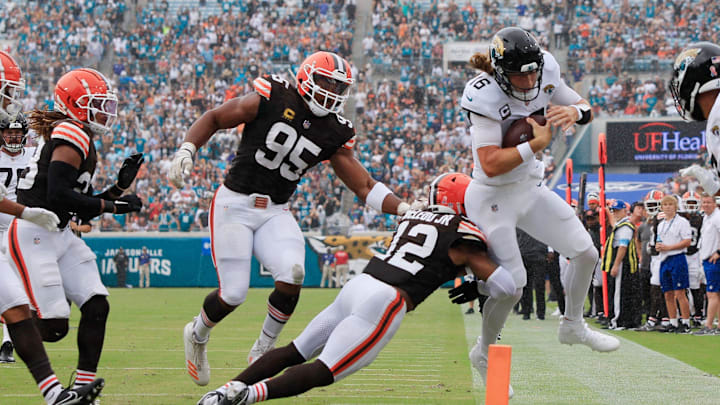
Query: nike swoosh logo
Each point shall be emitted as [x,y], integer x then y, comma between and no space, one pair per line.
[72,396]
[469,98]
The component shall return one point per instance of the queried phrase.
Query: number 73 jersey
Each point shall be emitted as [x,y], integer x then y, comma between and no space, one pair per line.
[283,141]
[11,167]
[417,260]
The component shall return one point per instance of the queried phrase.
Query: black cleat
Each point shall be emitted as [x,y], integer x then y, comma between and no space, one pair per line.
[84,395]
[6,353]
[682,328]
[469,311]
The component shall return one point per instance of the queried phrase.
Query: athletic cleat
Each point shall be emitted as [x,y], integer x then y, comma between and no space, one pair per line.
[469,311]
[705,331]
[212,398]
[647,327]
[237,394]
[479,361]
[682,328]
[196,357]
[85,394]
[6,353]
[259,349]
[662,328]
[578,332]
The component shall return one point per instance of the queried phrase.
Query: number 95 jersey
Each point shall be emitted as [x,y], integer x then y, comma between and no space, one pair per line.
[417,260]
[283,141]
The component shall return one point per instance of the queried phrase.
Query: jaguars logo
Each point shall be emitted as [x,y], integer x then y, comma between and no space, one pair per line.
[497,48]
[685,59]
[549,89]
[715,130]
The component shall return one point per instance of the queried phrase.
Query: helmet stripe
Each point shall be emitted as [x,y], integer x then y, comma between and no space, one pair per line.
[433,189]
[338,63]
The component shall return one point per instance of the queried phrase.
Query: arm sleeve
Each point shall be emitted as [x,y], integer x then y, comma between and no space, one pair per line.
[60,192]
[484,131]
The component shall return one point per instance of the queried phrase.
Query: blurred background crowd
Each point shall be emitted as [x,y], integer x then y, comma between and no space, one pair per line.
[172,60]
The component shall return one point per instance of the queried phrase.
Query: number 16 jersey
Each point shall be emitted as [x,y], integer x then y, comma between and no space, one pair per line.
[283,141]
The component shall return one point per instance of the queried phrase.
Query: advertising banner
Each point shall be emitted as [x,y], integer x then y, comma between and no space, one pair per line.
[626,187]
[654,142]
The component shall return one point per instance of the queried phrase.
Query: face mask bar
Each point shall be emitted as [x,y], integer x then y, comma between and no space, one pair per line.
[10,91]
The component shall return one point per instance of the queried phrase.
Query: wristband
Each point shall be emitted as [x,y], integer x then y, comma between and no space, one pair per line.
[377,195]
[108,206]
[526,152]
[583,113]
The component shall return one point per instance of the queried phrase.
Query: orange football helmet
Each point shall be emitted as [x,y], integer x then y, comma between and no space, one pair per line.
[12,86]
[323,81]
[652,201]
[691,202]
[448,191]
[86,95]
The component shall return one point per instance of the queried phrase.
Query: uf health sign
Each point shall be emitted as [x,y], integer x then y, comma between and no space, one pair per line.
[650,142]
[626,187]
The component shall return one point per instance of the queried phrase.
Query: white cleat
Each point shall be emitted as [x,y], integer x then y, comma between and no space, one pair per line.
[258,349]
[578,332]
[237,394]
[213,397]
[196,357]
[479,361]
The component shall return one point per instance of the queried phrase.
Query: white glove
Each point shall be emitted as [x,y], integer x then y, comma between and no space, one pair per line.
[3,191]
[182,164]
[705,177]
[42,217]
[419,204]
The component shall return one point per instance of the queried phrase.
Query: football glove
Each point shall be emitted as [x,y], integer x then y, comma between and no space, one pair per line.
[40,216]
[182,164]
[129,170]
[465,292]
[705,177]
[125,204]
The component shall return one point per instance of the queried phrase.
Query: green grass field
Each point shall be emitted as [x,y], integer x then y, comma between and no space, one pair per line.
[425,363]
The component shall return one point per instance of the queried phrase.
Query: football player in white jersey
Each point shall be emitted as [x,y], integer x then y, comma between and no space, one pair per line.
[13,160]
[695,85]
[520,79]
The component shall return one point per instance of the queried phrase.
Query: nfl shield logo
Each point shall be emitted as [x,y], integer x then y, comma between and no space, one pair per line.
[36,240]
[494,208]
[306,124]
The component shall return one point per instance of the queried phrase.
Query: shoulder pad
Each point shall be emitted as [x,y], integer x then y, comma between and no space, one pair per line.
[551,66]
[74,135]
[262,87]
[483,96]
[469,231]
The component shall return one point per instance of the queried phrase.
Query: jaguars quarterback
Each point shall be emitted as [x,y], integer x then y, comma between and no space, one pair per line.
[519,79]
[289,128]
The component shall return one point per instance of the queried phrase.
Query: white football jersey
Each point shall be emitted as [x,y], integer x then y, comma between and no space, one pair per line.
[10,169]
[712,135]
[484,97]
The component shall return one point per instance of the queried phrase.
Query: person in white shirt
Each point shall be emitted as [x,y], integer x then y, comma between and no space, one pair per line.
[673,237]
[709,245]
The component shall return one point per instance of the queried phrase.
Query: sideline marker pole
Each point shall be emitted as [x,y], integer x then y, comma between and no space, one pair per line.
[498,376]
[568,178]
[602,152]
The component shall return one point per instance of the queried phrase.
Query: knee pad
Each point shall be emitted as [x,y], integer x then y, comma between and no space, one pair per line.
[52,330]
[588,257]
[214,307]
[96,308]
[283,302]
[501,285]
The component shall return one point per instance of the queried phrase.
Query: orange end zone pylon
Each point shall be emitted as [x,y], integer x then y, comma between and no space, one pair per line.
[498,375]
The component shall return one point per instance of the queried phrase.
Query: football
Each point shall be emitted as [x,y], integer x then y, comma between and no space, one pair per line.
[520,131]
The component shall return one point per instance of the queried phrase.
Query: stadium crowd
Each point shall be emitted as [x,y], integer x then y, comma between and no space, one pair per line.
[169,68]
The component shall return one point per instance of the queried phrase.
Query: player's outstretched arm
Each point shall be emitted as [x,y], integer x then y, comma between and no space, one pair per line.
[126,175]
[40,216]
[374,193]
[230,114]
[62,176]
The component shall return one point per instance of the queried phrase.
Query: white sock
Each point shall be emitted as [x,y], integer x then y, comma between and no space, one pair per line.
[577,279]
[674,322]
[203,326]
[495,313]
[50,388]
[686,321]
[6,334]
[84,378]
[274,323]
[257,392]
